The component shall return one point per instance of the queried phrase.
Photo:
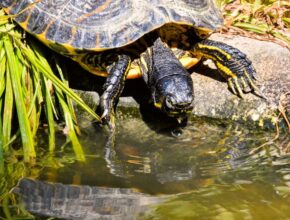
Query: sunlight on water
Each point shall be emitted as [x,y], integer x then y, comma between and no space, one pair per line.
[209,170]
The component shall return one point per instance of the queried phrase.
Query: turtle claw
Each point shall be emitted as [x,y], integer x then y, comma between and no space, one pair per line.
[105,115]
[241,85]
[246,87]
[259,93]
[235,86]
[107,112]
[238,87]
[108,118]
[243,76]
[231,85]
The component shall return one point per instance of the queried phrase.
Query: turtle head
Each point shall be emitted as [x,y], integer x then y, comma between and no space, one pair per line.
[169,82]
[174,94]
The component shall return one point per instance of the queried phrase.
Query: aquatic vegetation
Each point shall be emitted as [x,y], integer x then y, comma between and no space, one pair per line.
[13,170]
[30,91]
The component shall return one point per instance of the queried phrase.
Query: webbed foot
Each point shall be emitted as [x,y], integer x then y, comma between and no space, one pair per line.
[233,65]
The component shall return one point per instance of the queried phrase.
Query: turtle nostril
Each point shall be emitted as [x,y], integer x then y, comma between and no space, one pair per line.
[170,102]
[183,105]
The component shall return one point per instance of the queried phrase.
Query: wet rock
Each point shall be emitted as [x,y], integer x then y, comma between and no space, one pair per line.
[213,99]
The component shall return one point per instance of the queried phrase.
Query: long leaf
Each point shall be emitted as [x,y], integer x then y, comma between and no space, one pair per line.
[42,65]
[8,110]
[63,77]
[70,130]
[49,115]
[1,142]
[15,71]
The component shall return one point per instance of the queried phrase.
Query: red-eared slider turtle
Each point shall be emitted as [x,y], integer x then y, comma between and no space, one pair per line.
[155,39]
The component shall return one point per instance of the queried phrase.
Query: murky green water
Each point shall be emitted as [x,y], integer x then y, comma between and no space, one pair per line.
[210,171]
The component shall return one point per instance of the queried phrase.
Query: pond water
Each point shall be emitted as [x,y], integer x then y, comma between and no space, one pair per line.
[206,170]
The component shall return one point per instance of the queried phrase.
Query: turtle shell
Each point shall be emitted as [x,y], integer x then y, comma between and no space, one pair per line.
[98,25]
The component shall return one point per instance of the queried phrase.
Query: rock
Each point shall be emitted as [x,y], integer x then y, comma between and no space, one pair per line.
[213,99]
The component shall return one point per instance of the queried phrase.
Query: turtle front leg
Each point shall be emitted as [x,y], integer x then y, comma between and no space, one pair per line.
[231,63]
[113,88]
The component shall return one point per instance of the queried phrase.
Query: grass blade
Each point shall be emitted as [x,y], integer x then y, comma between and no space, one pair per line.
[15,71]
[49,114]
[42,65]
[69,102]
[260,29]
[1,142]
[70,130]
[7,111]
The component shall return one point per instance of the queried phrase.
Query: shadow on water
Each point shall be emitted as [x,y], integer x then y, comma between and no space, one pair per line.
[209,171]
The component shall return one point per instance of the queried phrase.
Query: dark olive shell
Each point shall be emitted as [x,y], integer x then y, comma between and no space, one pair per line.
[98,25]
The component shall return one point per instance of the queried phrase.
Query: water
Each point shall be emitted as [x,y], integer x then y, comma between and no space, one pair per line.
[207,170]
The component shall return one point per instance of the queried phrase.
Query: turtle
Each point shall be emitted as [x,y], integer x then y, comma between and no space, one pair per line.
[157,40]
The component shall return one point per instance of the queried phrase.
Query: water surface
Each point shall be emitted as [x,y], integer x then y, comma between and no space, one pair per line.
[209,170]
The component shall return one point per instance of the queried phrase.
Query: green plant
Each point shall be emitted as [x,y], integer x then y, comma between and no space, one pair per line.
[29,89]
[263,19]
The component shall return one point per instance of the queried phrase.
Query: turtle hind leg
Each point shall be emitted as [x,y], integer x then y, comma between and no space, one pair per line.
[233,65]
[113,88]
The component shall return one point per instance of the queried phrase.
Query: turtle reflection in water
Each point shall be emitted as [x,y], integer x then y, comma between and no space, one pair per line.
[82,202]
[156,40]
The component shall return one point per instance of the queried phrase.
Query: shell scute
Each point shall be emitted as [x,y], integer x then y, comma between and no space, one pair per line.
[18,6]
[32,20]
[76,41]
[7,3]
[90,39]
[98,25]
[63,34]
[51,30]
[23,16]
[40,23]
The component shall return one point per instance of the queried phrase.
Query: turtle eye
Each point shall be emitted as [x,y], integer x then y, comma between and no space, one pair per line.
[202,35]
[202,32]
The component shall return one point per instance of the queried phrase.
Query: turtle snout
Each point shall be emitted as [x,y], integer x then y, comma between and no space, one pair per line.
[170,102]
[175,106]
